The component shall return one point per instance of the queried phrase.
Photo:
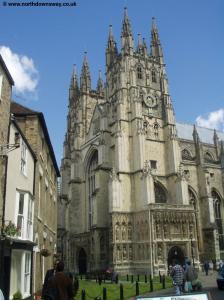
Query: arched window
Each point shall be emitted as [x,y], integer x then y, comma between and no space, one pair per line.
[156,129]
[192,198]
[153,73]
[218,218]
[160,193]
[208,157]
[186,155]
[139,72]
[91,179]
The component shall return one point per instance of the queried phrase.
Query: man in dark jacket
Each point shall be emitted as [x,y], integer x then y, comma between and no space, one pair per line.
[49,274]
[59,286]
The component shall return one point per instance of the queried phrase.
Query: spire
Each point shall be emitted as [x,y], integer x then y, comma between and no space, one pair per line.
[195,135]
[156,48]
[126,35]
[74,79]
[141,47]
[216,142]
[100,84]
[222,154]
[85,79]
[74,88]
[111,51]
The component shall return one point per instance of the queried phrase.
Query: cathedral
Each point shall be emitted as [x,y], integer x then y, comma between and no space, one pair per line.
[138,189]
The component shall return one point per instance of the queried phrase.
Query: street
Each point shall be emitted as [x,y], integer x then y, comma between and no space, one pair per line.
[208,283]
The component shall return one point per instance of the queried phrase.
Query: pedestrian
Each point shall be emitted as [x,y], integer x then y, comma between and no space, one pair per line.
[59,286]
[206,267]
[177,273]
[49,274]
[190,277]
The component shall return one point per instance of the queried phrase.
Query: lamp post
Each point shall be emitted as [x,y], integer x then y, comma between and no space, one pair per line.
[192,250]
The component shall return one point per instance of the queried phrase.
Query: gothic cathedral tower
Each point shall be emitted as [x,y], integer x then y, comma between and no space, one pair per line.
[125,197]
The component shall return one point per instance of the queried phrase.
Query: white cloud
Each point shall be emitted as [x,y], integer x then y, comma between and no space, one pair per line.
[22,69]
[214,119]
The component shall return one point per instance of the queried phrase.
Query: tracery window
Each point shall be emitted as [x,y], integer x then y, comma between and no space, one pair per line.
[186,155]
[91,178]
[218,218]
[208,157]
[160,194]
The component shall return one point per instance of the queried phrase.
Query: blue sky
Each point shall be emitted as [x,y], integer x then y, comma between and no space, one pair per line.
[44,43]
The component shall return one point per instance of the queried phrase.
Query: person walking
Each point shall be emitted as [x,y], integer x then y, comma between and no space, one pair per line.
[59,286]
[48,275]
[206,267]
[177,273]
[190,277]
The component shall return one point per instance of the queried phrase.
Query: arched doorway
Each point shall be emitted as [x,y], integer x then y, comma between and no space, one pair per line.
[82,261]
[176,253]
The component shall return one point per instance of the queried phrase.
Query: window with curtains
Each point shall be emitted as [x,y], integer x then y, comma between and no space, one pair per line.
[23,163]
[24,215]
[91,179]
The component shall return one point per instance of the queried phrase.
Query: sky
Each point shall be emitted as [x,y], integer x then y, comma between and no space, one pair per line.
[40,45]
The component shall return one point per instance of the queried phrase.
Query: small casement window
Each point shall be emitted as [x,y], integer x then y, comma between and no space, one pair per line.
[153,76]
[139,72]
[153,164]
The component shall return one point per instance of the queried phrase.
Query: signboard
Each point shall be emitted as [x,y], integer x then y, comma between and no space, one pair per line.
[201,296]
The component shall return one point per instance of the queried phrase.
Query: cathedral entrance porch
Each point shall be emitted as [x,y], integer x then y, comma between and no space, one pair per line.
[82,261]
[175,253]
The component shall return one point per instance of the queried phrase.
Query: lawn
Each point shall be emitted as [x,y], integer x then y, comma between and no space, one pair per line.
[93,289]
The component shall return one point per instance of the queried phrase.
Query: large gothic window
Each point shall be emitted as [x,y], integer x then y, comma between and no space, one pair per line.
[160,193]
[218,218]
[91,178]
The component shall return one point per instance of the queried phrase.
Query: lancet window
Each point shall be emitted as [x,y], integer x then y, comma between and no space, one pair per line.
[218,217]
[91,178]
[160,194]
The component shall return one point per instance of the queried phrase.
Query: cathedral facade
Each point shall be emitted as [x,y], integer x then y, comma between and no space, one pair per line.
[138,189]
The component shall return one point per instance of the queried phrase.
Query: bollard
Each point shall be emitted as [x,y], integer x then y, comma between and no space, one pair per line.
[160,277]
[145,278]
[104,293]
[151,284]
[83,295]
[121,292]
[132,278]
[164,282]
[138,277]
[127,278]
[137,289]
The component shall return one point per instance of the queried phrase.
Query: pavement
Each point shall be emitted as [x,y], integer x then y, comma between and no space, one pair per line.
[208,282]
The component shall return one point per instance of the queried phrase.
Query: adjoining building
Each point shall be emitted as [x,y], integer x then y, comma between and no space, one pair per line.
[138,189]
[18,223]
[34,128]
[6,83]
